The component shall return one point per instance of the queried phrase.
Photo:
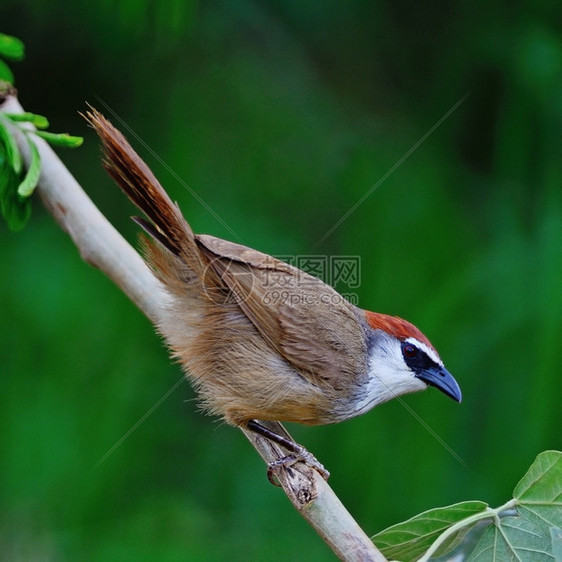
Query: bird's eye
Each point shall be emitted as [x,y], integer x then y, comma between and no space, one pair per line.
[409,350]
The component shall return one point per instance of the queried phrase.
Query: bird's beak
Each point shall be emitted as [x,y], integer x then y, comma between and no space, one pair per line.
[440,378]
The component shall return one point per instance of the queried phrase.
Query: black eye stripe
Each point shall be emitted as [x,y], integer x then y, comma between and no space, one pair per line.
[416,358]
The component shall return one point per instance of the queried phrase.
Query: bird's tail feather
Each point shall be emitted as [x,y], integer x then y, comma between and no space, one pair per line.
[166,223]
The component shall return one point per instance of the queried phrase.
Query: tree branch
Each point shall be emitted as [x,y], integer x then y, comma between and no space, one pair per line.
[103,247]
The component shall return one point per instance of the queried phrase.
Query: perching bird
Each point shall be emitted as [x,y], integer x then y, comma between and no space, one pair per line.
[261,339]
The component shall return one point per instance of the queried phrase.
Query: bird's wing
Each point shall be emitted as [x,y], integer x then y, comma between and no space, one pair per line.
[306,321]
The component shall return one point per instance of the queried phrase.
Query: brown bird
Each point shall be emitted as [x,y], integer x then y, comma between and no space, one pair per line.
[261,339]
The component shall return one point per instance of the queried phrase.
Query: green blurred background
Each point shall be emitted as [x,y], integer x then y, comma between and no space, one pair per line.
[281,116]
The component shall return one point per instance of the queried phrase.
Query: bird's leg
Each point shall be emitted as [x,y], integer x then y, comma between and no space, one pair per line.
[297,452]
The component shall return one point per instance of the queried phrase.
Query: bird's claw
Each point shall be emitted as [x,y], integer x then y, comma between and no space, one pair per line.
[300,455]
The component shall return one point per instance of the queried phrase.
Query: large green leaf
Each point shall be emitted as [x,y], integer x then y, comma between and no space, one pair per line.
[542,483]
[527,528]
[539,493]
[410,539]
[512,539]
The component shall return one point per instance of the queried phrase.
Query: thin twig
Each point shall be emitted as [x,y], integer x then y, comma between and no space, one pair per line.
[103,247]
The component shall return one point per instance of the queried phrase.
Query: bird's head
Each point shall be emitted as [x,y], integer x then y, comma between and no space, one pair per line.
[402,360]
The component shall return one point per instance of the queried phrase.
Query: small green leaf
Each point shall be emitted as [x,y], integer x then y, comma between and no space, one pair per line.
[16,211]
[10,146]
[5,73]
[410,539]
[11,47]
[29,183]
[60,139]
[38,121]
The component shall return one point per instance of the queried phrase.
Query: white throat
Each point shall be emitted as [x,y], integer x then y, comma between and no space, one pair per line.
[389,376]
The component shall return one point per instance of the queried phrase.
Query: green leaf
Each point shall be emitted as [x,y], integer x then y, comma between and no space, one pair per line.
[5,73]
[11,47]
[514,539]
[539,492]
[542,483]
[527,533]
[10,146]
[16,211]
[38,121]
[61,139]
[410,539]
[525,529]
[16,187]
[29,183]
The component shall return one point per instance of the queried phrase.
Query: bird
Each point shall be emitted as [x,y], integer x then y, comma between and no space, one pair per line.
[260,339]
